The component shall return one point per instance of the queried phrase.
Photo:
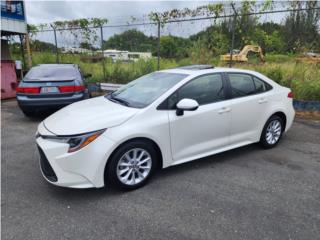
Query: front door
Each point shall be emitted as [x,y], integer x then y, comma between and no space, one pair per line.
[198,133]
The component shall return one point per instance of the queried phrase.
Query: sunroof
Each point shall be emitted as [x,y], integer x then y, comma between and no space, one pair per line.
[197,67]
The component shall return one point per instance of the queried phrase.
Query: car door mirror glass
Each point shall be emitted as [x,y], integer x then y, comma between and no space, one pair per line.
[186,104]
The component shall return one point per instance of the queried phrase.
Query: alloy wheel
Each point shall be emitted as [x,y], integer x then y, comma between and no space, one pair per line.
[273,132]
[134,166]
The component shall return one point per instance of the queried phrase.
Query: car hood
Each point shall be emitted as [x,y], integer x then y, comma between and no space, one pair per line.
[87,116]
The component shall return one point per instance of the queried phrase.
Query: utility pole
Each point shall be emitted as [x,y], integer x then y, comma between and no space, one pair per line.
[233,30]
[28,51]
[158,44]
[103,66]
[22,51]
[56,44]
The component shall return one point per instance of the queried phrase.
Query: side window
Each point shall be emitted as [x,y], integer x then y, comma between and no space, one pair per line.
[205,89]
[261,86]
[241,84]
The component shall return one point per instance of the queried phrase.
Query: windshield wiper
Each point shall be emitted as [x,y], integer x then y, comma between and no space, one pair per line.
[119,100]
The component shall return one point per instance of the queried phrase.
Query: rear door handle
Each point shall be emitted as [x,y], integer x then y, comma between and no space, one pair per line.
[224,110]
[262,100]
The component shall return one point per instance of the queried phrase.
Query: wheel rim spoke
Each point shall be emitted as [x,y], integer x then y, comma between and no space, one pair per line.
[144,167]
[133,176]
[122,171]
[143,161]
[124,164]
[140,174]
[126,177]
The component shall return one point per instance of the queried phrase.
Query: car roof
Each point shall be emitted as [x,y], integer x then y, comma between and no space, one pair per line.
[196,72]
[59,65]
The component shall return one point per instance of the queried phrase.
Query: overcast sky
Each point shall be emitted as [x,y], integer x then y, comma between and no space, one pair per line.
[114,11]
[117,12]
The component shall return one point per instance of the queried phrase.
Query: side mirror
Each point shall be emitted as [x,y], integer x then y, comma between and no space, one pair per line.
[186,104]
[87,75]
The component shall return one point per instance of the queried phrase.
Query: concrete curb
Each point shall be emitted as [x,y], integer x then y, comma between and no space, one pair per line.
[306,105]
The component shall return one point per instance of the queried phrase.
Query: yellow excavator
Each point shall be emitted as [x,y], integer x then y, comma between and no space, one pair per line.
[242,56]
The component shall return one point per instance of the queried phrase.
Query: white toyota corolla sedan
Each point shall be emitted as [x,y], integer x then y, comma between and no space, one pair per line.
[161,119]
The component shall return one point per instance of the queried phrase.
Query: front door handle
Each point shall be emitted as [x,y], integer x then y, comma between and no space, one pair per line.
[262,100]
[224,110]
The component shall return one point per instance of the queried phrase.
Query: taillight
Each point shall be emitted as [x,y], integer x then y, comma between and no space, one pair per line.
[31,90]
[65,89]
[290,95]
[79,88]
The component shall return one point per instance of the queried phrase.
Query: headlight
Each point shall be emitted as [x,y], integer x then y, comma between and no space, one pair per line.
[76,142]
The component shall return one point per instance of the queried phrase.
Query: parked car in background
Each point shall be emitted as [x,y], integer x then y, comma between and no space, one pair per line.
[49,86]
[159,120]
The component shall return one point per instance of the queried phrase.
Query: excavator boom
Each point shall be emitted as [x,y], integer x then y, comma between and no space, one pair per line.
[243,55]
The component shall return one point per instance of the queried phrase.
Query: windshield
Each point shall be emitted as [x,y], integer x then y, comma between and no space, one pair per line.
[144,90]
[52,73]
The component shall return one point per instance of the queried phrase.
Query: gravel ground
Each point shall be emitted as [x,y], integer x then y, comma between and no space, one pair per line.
[247,193]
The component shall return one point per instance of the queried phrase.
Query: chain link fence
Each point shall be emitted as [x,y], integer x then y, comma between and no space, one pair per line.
[121,53]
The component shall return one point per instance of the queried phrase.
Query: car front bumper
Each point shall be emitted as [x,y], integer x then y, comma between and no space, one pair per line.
[81,169]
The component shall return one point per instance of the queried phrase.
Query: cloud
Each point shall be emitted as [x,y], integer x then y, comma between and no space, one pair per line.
[117,12]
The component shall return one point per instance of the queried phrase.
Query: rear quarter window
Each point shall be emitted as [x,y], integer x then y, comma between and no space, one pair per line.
[261,86]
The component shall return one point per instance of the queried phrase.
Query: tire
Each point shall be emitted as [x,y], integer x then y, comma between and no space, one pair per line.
[87,94]
[128,172]
[28,113]
[272,132]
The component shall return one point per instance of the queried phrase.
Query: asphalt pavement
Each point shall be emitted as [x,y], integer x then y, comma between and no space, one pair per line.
[247,193]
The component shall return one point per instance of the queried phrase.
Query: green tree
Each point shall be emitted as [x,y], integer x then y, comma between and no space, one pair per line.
[87,45]
[173,47]
[213,39]
[131,40]
[40,46]
[301,28]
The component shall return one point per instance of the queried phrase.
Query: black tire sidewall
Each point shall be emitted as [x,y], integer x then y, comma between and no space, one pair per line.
[263,140]
[28,113]
[111,170]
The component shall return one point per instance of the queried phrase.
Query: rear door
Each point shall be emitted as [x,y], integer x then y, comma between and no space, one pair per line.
[200,132]
[249,104]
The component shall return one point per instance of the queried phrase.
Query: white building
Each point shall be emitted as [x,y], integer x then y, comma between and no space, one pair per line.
[139,55]
[121,55]
[116,55]
[75,50]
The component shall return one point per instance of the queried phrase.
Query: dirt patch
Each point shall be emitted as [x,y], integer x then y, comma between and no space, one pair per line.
[314,115]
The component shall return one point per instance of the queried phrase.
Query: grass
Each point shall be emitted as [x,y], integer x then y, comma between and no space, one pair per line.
[302,78]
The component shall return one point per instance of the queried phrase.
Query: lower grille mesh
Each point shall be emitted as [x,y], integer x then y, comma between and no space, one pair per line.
[46,167]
